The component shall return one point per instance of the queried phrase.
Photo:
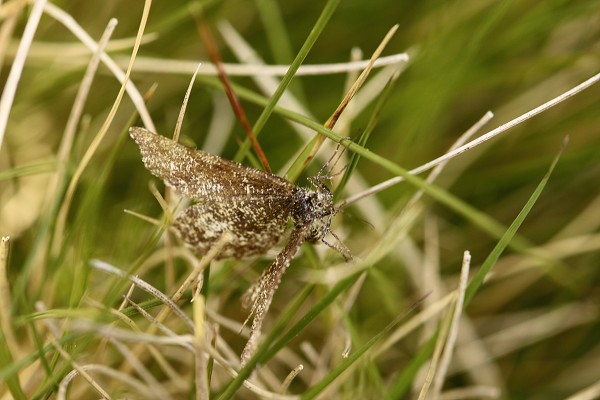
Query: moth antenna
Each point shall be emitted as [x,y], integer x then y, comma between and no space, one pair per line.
[338,173]
[325,170]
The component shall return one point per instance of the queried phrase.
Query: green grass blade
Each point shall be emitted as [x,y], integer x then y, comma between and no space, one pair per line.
[287,78]
[405,380]
[260,356]
[352,358]
[364,137]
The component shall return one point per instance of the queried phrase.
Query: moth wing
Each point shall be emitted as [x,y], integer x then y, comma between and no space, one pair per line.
[254,226]
[204,176]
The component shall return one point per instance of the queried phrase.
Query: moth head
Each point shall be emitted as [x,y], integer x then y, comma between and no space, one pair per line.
[315,210]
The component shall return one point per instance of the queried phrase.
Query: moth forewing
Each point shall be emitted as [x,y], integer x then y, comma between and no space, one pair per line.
[203,176]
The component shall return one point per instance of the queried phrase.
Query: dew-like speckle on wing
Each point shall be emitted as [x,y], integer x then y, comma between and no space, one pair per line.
[204,176]
[252,205]
[255,226]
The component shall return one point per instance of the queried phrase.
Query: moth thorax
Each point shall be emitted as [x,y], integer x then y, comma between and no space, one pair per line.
[314,208]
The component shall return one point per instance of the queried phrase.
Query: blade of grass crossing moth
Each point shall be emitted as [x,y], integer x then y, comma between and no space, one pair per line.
[287,78]
[403,383]
[482,220]
[332,121]
[364,137]
[297,166]
[215,56]
[308,153]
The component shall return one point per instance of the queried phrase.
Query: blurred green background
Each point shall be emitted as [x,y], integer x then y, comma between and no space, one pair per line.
[467,57]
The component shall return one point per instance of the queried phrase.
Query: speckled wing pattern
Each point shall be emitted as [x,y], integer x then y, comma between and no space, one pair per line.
[252,205]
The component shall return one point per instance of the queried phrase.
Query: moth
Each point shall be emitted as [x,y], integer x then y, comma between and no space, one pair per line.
[252,206]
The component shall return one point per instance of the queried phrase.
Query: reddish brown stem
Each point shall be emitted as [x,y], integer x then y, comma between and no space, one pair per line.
[213,52]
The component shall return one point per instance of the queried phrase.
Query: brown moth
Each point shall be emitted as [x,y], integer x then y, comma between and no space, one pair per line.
[253,206]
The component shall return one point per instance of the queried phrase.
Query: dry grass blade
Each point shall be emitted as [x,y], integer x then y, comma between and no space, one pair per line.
[136,384]
[510,124]
[201,359]
[69,22]
[434,174]
[55,332]
[186,67]
[457,311]
[184,104]
[62,215]
[82,93]
[10,87]
[353,90]
[103,266]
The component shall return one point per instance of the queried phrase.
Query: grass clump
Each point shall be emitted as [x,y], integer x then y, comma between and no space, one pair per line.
[96,302]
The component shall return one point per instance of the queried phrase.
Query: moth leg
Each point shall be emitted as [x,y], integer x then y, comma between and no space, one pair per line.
[261,293]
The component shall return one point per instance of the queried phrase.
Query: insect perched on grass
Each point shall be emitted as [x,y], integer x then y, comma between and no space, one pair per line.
[250,205]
